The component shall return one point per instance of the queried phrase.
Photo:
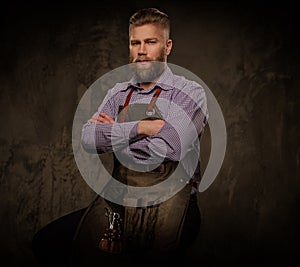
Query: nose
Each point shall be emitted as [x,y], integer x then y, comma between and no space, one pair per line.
[142,49]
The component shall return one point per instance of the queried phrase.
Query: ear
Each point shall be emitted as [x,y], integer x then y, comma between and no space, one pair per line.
[169,46]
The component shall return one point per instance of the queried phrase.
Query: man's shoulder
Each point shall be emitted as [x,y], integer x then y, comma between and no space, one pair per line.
[185,84]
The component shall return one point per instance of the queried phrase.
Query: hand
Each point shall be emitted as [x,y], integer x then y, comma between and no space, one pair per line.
[102,118]
[150,127]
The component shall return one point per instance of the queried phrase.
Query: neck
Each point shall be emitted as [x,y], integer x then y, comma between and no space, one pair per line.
[147,86]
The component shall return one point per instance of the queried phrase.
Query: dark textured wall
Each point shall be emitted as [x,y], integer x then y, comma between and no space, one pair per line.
[247,54]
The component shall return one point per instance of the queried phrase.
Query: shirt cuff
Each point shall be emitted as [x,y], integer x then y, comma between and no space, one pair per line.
[133,134]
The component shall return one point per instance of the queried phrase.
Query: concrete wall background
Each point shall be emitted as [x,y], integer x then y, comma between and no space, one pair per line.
[247,54]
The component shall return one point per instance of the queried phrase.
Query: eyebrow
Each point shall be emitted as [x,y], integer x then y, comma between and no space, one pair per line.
[145,40]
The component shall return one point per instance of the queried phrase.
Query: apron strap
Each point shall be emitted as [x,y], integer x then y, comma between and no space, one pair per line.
[124,111]
[153,100]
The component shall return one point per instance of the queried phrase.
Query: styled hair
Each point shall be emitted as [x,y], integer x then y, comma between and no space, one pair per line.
[150,16]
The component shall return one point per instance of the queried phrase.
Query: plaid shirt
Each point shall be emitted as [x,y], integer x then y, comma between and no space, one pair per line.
[182,104]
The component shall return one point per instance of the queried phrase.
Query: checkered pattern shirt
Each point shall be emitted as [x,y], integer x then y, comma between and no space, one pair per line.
[182,104]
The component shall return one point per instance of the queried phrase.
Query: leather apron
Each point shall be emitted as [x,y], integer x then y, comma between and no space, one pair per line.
[151,231]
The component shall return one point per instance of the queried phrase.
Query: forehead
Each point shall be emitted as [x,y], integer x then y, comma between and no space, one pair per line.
[146,31]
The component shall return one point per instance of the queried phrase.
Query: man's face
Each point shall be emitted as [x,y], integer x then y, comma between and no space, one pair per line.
[148,43]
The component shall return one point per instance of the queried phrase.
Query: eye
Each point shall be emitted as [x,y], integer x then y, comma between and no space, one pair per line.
[134,43]
[151,42]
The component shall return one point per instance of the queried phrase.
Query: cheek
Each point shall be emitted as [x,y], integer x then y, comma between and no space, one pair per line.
[131,50]
[133,53]
[156,51]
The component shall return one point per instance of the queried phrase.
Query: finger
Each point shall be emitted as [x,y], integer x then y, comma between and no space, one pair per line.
[111,120]
[108,118]
[93,120]
[99,120]
[96,119]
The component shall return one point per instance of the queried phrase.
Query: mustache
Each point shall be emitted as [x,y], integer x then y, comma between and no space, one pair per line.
[142,59]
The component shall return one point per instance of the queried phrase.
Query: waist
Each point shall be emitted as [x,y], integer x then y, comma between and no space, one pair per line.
[150,168]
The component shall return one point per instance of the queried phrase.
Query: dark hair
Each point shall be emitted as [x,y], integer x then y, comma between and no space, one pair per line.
[150,16]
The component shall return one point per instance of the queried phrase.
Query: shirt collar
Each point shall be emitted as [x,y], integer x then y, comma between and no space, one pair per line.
[165,81]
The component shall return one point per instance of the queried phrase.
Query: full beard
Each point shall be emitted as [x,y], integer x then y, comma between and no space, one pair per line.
[150,71]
